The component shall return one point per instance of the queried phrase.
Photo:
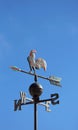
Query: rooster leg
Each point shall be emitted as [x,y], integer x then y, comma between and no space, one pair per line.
[34,70]
[30,69]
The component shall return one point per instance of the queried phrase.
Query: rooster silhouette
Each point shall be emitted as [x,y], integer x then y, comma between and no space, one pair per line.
[36,63]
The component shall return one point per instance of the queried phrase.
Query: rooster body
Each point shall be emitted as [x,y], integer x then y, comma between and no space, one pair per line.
[36,63]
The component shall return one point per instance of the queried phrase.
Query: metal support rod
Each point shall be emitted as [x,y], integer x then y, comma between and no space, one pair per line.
[35,116]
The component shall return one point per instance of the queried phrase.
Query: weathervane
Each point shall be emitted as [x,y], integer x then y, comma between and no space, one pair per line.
[35,88]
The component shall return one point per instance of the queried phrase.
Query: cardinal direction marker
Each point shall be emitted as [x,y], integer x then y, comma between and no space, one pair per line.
[52,79]
[26,101]
[17,105]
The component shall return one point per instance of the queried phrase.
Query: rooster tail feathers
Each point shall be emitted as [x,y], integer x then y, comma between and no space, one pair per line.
[41,63]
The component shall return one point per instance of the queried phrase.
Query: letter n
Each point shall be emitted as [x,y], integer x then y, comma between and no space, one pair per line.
[17,105]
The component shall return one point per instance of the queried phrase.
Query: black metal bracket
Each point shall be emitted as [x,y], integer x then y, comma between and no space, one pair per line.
[26,101]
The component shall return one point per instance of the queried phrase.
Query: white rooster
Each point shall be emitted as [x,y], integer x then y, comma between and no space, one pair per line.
[35,63]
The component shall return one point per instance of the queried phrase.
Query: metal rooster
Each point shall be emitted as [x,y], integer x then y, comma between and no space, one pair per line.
[35,63]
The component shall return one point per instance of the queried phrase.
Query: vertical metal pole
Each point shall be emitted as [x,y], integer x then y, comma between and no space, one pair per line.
[35,116]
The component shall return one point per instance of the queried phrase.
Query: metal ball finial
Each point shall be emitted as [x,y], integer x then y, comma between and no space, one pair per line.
[35,89]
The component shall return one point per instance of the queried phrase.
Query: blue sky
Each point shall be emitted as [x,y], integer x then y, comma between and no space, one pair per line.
[50,27]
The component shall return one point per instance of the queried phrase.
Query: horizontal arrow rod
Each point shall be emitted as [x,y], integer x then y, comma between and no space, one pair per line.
[53,80]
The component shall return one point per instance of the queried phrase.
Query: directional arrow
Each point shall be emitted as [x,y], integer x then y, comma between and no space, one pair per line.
[52,79]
